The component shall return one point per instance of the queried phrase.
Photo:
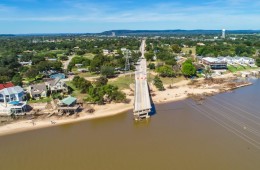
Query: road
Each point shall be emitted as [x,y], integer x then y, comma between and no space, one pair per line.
[142,98]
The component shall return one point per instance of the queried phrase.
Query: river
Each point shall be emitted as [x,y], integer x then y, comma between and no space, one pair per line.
[221,134]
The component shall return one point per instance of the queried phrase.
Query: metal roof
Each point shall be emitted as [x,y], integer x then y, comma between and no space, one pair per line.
[69,100]
[11,90]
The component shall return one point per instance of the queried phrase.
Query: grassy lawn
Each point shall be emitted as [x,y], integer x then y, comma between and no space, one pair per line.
[123,82]
[167,80]
[89,56]
[88,74]
[45,100]
[234,69]
[76,93]
[186,50]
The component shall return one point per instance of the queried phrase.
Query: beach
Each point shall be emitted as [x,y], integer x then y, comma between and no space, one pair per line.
[178,91]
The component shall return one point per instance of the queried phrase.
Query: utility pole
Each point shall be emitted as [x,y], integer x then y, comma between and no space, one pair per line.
[127,62]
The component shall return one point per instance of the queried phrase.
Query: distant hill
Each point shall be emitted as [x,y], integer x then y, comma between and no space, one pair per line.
[138,33]
[176,32]
[7,35]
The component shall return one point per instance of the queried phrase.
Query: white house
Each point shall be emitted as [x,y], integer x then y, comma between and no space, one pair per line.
[12,101]
[57,85]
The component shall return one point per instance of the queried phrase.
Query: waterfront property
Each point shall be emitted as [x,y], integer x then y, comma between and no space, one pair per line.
[219,62]
[38,91]
[12,101]
[214,63]
[57,85]
[6,85]
[68,105]
[238,60]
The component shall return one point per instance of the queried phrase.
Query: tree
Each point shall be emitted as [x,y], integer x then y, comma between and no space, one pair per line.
[64,57]
[17,80]
[176,48]
[165,71]
[82,84]
[149,56]
[258,62]
[188,69]
[101,81]
[171,62]
[32,73]
[107,71]
[151,66]
[158,83]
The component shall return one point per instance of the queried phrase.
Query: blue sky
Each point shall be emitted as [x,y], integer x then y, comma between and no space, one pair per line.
[79,16]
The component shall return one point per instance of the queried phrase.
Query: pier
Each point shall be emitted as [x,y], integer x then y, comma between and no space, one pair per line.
[142,102]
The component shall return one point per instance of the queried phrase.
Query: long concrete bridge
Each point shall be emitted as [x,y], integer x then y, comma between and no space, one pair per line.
[142,103]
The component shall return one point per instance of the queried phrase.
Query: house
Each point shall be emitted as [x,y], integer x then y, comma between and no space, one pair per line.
[83,70]
[6,85]
[106,52]
[38,91]
[68,105]
[57,85]
[52,59]
[69,101]
[78,65]
[12,101]
[26,63]
[58,75]
[214,63]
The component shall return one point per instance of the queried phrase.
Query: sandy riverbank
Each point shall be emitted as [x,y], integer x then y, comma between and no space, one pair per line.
[179,91]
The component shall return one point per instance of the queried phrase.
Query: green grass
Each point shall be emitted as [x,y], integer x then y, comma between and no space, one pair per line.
[186,50]
[76,93]
[75,90]
[88,74]
[123,82]
[234,69]
[45,100]
[89,56]
[168,80]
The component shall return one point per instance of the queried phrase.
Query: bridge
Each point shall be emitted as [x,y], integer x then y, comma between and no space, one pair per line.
[142,102]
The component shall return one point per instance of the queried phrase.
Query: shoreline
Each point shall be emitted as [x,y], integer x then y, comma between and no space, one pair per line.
[180,92]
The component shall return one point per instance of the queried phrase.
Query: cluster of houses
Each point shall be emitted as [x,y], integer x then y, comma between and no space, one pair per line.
[41,90]
[223,62]
[13,99]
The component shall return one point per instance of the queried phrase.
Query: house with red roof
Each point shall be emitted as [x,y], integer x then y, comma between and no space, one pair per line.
[6,85]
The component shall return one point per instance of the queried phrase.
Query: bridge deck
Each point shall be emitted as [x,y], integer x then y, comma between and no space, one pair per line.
[142,105]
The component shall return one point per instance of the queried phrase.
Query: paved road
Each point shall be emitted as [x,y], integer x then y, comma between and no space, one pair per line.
[142,98]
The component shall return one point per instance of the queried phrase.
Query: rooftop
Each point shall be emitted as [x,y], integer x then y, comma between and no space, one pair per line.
[69,100]
[11,90]
[6,85]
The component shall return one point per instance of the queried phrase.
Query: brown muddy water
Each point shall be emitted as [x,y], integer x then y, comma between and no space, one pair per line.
[221,134]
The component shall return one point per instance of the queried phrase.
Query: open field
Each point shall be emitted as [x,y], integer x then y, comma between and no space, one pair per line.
[167,80]
[89,56]
[234,69]
[122,82]
[187,50]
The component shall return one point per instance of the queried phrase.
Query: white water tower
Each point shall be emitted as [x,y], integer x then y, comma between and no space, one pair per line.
[223,33]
